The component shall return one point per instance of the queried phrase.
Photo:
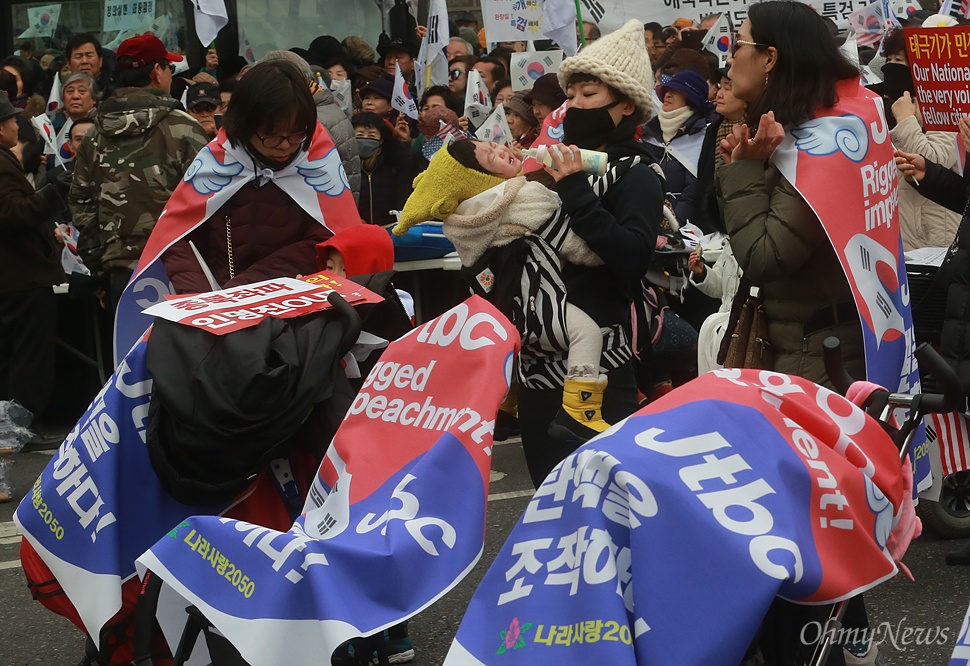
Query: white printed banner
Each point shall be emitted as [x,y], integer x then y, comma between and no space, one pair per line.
[512,20]
[609,15]
[128,15]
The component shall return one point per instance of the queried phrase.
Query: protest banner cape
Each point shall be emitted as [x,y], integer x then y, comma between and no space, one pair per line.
[695,512]
[98,505]
[315,180]
[395,518]
[841,162]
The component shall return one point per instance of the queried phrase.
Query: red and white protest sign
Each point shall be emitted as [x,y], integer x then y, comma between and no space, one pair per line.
[229,310]
[939,58]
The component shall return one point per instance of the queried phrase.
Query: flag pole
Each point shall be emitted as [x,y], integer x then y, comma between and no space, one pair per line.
[579,22]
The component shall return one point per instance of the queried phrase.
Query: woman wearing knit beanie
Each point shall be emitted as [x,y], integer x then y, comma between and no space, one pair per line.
[608,88]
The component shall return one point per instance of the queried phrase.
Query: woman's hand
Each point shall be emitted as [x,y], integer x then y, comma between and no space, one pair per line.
[516,149]
[904,107]
[402,131]
[769,135]
[911,165]
[566,160]
[61,233]
[965,132]
[696,264]
[727,146]
[463,123]
[420,31]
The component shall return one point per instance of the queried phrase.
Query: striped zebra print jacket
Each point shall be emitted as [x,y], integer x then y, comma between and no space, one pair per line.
[512,241]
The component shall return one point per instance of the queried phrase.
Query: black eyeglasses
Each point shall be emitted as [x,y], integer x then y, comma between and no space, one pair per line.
[738,43]
[277,141]
[455,74]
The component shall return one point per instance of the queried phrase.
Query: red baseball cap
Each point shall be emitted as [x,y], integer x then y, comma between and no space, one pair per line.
[143,50]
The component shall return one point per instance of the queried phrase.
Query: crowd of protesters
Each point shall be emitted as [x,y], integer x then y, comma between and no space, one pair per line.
[688,143]
[151,131]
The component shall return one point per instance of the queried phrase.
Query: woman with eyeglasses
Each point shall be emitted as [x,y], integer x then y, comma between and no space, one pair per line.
[263,230]
[788,69]
[793,175]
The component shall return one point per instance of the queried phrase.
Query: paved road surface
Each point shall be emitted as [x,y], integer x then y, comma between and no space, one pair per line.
[936,601]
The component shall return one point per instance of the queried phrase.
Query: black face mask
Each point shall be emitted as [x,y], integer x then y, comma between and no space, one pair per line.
[588,128]
[367,147]
[897,79]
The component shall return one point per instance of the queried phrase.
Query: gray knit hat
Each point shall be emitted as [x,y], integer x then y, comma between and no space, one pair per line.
[618,59]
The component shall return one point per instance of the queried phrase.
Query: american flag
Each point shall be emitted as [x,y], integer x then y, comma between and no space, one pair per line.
[951,431]
[450,129]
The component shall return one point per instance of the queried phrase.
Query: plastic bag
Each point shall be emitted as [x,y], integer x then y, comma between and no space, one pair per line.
[15,423]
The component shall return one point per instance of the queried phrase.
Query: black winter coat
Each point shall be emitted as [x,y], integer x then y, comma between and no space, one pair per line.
[950,190]
[28,255]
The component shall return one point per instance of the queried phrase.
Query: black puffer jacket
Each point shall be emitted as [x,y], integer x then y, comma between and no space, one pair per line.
[950,190]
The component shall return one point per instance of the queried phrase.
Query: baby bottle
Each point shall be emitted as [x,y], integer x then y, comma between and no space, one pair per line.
[594,162]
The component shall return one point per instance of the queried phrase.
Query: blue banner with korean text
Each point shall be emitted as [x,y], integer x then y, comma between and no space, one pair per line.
[665,539]
[395,517]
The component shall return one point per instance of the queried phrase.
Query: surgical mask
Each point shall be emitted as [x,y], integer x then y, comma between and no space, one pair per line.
[368,147]
[589,128]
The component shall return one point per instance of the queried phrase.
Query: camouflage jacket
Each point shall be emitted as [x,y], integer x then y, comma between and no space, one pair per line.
[125,170]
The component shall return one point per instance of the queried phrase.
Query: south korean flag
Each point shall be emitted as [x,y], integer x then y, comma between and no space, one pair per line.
[478,100]
[495,128]
[401,97]
[720,39]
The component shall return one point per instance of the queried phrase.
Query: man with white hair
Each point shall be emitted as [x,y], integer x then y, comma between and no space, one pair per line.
[458,47]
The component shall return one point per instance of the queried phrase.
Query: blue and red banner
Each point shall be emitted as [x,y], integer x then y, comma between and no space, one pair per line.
[665,539]
[842,163]
[395,518]
[98,505]
[315,180]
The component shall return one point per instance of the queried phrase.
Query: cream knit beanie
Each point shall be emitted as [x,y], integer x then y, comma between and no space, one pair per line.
[618,59]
